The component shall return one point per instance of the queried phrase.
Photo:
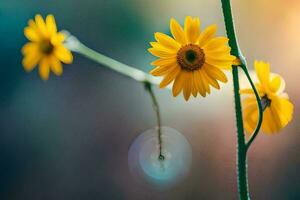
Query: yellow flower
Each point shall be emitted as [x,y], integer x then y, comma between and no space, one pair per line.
[278,110]
[45,47]
[192,59]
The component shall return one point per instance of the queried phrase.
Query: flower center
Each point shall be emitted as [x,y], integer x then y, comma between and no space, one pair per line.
[265,102]
[46,47]
[190,57]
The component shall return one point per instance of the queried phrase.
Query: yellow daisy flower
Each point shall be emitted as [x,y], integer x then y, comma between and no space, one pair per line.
[278,110]
[45,47]
[192,59]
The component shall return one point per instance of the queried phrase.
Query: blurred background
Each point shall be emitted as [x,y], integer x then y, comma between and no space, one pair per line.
[68,138]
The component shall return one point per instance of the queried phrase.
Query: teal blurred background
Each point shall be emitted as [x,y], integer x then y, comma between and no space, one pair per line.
[68,138]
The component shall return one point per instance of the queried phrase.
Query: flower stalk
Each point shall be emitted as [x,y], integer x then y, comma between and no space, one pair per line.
[73,44]
[241,152]
[148,87]
[242,146]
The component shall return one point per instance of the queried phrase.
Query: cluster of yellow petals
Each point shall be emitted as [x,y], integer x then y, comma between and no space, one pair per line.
[193,59]
[278,111]
[45,47]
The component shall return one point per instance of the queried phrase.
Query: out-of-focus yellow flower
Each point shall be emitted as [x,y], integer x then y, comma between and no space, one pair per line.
[45,47]
[192,59]
[278,110]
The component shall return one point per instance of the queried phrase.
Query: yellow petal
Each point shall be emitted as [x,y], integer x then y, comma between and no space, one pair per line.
[221,58]
[31,34]
[207,34]
[276,119]
[194,90]
[249,104]
[250,114]
[215,43]
[163,62]
[194,86]
[56,66]
[51,25]
[30,47]
[34,27]
[236,62]
[44,68]
[224,62]
[187,87]
[178,83]
[269,125]
[275,83]
[222,49]
[63,54]
[169,77]
[160,71]
[177,32]
[187,25]
[41,25]
[246,91]
[57,39]
[30,61]
[263,73]
[284,109]
[204,81]
[249,100]
[167,41]
[160,47]
[199,83]
[251,92]
[192,29]
[211,80]
[161,53]
[214,72]
[32,24]
[218,53]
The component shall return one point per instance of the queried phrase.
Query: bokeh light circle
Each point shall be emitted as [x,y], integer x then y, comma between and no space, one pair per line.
[145,166]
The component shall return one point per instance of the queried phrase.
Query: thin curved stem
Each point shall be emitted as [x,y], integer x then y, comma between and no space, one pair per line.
[259,105]
[148,87]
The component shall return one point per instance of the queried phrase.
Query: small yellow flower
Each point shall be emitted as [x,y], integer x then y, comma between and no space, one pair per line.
[45,47]
[278,110]
[192,59]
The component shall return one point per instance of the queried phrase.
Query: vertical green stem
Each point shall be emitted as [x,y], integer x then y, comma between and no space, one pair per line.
[241,147]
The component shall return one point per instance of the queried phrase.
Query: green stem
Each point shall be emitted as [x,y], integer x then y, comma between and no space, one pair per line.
[241,148]
[148,87]
[259,105]
[75,45]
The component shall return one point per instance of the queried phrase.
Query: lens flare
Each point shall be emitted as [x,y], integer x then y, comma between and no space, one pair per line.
[145,166]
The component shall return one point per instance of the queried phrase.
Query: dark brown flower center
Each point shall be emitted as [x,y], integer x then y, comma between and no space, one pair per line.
[46,46]
[190,57]
[265,102]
